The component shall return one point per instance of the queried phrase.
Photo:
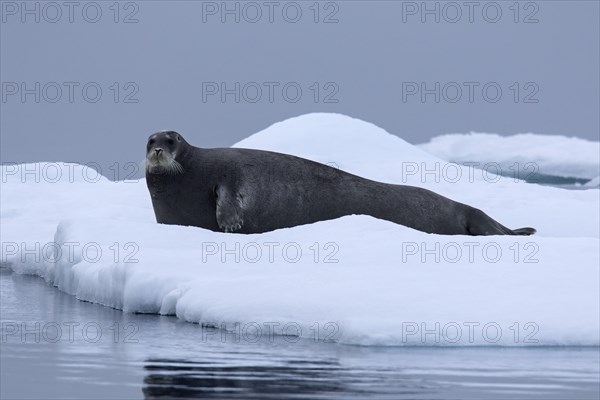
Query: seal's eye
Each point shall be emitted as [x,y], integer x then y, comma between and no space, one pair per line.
[178,138]
[171,142]
[151,142]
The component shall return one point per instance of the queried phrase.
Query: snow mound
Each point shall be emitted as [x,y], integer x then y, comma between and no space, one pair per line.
[347,143]
[568,157]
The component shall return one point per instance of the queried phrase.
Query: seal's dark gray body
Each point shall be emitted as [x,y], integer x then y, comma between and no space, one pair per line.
[254,191]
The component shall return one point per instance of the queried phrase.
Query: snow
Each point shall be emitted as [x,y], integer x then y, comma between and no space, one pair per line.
[356,280]
[568,157]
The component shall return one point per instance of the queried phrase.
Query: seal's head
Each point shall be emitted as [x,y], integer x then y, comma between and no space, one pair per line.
[162,151]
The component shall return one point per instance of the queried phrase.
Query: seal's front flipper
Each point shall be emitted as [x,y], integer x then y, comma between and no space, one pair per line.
[229,209]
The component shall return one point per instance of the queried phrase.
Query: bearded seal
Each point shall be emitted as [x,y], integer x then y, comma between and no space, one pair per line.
[255,191]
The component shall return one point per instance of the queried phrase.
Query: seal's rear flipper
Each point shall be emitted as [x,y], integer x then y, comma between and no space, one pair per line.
[524,231]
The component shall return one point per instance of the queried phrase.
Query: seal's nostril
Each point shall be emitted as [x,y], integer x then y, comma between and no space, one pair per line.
[158,151]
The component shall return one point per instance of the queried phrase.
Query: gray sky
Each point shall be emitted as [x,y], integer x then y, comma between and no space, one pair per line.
[369,59]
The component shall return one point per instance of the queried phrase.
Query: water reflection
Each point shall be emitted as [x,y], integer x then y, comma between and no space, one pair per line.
[293,379]
[174,359]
